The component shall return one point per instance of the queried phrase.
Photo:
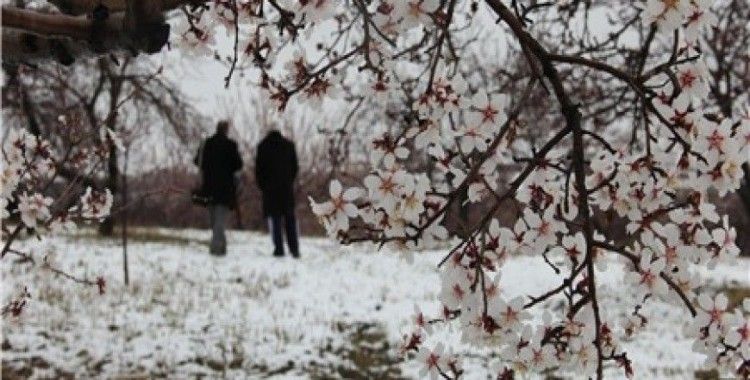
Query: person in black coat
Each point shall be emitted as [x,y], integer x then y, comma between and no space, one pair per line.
[275,170]
[219,160]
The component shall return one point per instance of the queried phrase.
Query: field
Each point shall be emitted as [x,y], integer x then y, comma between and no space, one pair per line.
[339,312]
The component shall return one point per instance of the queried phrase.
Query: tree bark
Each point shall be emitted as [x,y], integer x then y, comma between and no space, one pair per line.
[113,172]
[80,7]
[33,36]
[107,227]
[725,100]
[744,191]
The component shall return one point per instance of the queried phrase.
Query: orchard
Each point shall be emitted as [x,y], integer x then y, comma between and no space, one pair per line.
[575,132]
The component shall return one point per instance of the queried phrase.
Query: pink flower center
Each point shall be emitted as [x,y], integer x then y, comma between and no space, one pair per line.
[488,114]
[432,360]
[687,78]
[744,332]
[544,228]
[715,315]
[716,141]
[458,292]
[695,16]
[648,278]
[510,315]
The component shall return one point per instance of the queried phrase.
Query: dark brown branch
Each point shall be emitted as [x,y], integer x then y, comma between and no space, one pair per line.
[30,35]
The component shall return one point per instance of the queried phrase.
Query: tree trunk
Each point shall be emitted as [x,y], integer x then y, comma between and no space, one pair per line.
[725,104]
[744,191]
[107,226]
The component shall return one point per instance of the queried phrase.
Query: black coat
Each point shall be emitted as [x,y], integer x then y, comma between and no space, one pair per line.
[275,170]
[219,160]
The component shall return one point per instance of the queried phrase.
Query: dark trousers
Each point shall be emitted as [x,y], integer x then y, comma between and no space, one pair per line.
[288,223]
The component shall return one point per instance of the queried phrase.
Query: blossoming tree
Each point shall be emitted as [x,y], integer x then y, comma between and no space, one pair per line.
[28,176]
[605,110]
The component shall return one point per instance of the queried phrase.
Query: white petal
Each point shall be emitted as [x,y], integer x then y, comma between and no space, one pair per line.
[721,301]
[351,210]
[352,193]
[335,189]
[705,302]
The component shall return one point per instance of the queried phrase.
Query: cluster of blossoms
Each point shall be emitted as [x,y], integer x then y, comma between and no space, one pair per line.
[723,334]
[96,205]
[661,189]
[262,31]
[27,160]
[29,165]
[660,186]
[197,34]
[28,175]
[692,16]
[395,17]
[31,200]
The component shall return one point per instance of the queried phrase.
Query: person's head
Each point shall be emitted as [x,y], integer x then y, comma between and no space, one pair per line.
[274,132]
[222,127]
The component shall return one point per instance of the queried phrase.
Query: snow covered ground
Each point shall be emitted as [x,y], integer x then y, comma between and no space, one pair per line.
[336,313]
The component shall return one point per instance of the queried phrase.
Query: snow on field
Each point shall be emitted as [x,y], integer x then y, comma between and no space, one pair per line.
[336,313]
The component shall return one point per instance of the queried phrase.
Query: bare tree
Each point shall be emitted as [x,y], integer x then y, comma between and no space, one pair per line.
[130,99]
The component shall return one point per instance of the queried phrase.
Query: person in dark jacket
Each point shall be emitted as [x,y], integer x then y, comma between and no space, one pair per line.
[219,160]
[275,170]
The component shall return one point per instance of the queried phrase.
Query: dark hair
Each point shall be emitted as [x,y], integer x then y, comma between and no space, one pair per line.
[222,127]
